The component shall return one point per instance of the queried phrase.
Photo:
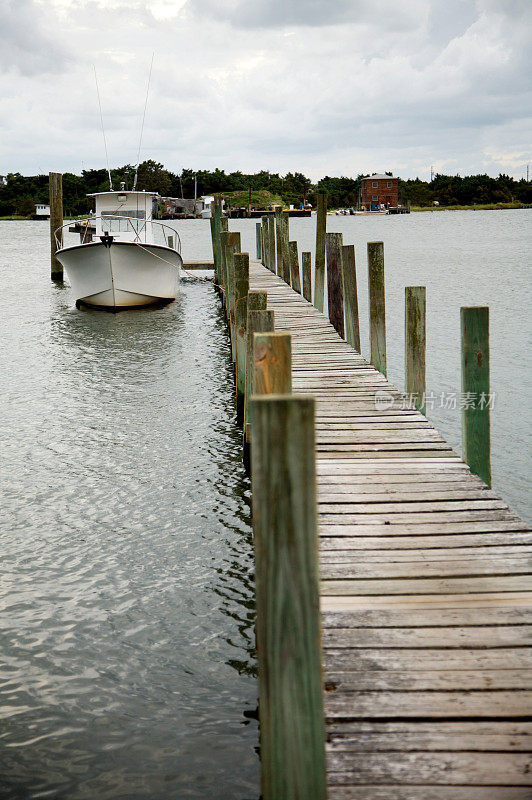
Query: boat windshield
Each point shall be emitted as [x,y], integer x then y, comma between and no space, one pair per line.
[114,222]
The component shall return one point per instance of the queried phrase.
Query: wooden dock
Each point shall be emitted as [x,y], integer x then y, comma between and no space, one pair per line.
[425,589]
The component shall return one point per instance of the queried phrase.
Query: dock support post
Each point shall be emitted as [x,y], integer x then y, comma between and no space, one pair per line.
[335,289]
[352,325]
[295,279]
[377,309]
[321,225]
[56,221]
[253,301]
[285,236]
[264,259]
[216,228]
[232,246]
[222,243]
[415,345]
[272,363]
[292,732]
[279,239]
[476,390]
[306,268]
[271,242]
[258,240]
[241,289]
[258,322]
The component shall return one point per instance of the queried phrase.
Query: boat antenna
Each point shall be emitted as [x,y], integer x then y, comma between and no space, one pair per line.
[142,126]
[103,130]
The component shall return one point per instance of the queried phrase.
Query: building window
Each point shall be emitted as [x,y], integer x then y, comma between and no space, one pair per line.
[374,184]
[375,197]
[389,184]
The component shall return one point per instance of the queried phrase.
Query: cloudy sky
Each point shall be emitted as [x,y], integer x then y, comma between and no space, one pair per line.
[332,87]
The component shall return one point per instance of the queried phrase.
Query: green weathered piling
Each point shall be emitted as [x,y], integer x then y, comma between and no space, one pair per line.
[258,240]
[56,221]
[272,362]
[415,345]
[335,288]
[321,226]
[377,309]
[223,242]
[240,290]
[254,301]
[352,326]
[285,235]
[292,735]
[306,268]
[264,259]
[216,228]
[295,280]
[232,247]
[271,242]
[279,239]
[476,390]
[258,322]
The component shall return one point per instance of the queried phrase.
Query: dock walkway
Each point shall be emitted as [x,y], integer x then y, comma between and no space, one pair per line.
[425,590]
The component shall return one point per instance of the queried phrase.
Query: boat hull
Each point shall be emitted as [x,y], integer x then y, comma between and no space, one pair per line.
[121,274]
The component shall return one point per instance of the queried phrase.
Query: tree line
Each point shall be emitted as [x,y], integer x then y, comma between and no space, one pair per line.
[19,193]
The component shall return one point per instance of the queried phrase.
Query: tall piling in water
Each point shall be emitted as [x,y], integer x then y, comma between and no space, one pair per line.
[56,221]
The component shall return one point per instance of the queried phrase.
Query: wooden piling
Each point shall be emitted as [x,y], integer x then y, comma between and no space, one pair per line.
[258,240]
[271,242]
[415,345]
[258,322]
[253,301]
[476,390]
[232,246]
[352,325]
[216,228]
[285,235]
[56,221]
[377,309]
[321,226]
[272,363]
[335,288]
[279,239]
[241,289]
[286,580]
[223,241]
[306,268]
[295,280]
[264,259]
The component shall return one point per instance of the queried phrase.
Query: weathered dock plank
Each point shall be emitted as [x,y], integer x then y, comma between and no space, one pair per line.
[425,589]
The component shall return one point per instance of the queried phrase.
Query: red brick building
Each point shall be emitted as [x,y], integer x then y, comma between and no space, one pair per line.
[379,190]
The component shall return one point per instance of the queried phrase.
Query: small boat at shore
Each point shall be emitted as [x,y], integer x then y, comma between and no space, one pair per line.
[129,261]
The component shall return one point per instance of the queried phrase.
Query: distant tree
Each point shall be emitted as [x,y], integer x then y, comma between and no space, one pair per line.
[25,206]
[153,177]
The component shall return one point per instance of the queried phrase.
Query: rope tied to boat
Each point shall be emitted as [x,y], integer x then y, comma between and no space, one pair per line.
[197,278]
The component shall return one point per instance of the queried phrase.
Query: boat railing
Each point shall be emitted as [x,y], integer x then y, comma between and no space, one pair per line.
[170,236]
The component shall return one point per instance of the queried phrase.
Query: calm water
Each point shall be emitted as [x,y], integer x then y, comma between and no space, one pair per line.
[126,660]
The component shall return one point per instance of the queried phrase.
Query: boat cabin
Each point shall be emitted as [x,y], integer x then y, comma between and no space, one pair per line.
[127,216]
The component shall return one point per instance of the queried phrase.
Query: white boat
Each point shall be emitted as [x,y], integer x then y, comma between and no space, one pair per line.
[125,259]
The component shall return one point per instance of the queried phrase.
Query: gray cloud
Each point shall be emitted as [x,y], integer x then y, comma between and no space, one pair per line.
[399,86]
[23,46]
[389,14]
